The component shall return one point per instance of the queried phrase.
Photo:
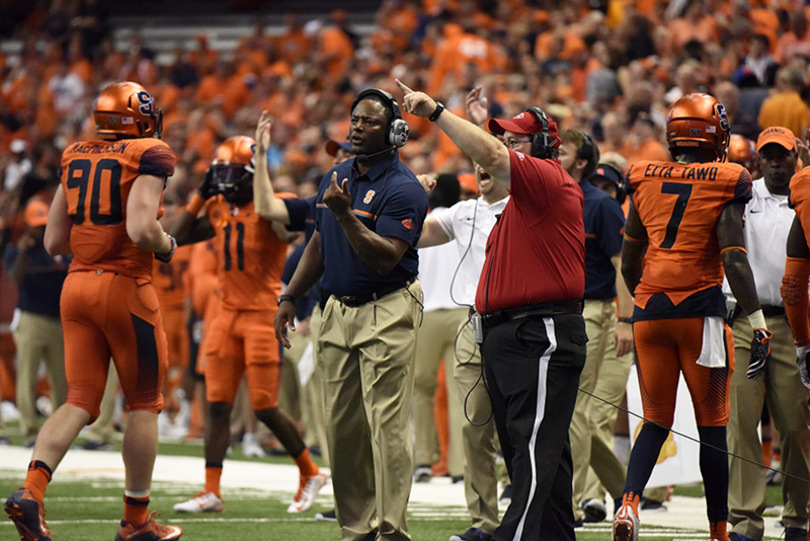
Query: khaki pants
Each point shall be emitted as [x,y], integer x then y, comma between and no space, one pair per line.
[38,339]
[436,340]
[366,357]
[588,447]
[786,397]
[480,442]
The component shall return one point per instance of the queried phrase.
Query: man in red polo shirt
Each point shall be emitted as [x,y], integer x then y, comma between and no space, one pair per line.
[530,300]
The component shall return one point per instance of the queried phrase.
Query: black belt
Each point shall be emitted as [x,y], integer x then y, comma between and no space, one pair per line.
[534,310]
[353,301]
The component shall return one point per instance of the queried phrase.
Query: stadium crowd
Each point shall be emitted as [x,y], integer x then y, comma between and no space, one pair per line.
[611,72]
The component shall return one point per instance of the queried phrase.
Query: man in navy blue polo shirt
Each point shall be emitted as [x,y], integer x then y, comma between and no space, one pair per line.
[369,214]
[530,300]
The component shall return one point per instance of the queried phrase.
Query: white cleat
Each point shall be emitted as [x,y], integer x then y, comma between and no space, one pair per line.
[625,524]
[204,502]
[307,490]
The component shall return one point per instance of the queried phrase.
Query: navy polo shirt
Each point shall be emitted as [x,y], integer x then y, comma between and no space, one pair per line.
[390,201]
[302,218]
[41,287]
[604,231]
[302,215]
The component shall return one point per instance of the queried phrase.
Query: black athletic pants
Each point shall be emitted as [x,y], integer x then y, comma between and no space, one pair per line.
[532,368]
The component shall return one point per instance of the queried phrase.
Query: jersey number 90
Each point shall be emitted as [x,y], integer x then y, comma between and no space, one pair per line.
[103,180]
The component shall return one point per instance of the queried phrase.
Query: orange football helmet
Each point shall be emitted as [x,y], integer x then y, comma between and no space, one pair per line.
[127,110]
[698,120]
[742,150]
[232,169]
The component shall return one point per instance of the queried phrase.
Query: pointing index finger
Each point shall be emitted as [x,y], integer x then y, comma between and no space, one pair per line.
[403,87]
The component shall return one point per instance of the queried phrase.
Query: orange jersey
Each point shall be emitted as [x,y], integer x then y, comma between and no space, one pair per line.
[169,279]
[679,206]
[250,257]
[97,178]
[800,199]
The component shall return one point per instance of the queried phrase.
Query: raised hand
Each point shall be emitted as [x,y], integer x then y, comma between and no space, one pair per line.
[263,132]
[338,198]
[476,106]
[416,103]
[427,181]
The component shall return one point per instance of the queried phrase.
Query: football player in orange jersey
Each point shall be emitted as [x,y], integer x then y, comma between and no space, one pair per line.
[683,229]
[251,258]
[106,213]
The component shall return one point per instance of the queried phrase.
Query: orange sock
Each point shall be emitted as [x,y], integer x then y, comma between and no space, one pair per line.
[631,499]
[718,530]
[305,464]
[136,508]
[37,479]
[213,473]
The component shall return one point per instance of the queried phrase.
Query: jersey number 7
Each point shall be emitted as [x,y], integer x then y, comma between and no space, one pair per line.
[683,191]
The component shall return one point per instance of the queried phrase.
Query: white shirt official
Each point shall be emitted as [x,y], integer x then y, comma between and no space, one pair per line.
[469,224]
[436,269]
[768,218]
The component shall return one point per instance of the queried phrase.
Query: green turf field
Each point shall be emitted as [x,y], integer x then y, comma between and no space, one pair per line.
[89,511]
[89,508]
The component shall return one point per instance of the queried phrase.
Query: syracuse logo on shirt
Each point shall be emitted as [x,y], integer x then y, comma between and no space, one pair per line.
[369,196]
[407,223]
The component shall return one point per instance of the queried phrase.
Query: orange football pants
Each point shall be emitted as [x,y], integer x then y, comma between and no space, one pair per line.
[105,314]
[666,347]
[246,345]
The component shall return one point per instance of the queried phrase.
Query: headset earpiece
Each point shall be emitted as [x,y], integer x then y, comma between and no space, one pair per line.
[540,140]
[398,130]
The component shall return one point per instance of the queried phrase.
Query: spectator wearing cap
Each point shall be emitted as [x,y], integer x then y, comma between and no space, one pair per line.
[533,334]
[610,341]
[768,218]
[37,328]
[609,179]
[340,152]
[19,166]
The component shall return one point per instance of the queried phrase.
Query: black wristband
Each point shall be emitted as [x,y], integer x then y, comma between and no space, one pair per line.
[434,116]
[285,297]
[625,320]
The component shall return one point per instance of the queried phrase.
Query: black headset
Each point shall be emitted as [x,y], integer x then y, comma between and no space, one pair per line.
[398,130]
[588,149]
[542,142]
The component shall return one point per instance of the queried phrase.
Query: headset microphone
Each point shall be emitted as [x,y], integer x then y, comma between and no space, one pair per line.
[365,157]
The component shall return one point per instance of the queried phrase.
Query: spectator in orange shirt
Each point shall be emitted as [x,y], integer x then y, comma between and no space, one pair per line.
[786,107]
